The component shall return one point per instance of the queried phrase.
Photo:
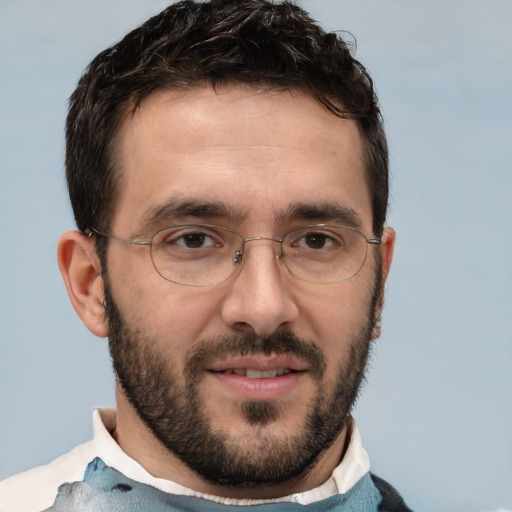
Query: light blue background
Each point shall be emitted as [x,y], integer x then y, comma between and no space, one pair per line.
[436,415]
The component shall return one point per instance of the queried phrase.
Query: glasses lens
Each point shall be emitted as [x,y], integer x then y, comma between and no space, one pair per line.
[195,254]
[324,254]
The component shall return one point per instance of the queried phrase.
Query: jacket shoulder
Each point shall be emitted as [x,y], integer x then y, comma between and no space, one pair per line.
[391,499]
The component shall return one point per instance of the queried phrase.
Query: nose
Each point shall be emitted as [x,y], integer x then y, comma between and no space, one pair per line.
[258,297]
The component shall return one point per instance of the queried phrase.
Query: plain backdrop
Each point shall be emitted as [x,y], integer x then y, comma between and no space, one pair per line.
[436,413]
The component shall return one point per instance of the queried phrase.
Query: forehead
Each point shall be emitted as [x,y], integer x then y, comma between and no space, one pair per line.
[258,153]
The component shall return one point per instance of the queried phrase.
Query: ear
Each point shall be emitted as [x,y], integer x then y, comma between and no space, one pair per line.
[80,268]
[386,248]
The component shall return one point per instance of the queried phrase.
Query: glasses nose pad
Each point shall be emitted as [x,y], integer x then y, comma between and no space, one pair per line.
[238,257]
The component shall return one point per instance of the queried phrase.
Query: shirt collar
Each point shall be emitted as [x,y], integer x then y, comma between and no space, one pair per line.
[354,465]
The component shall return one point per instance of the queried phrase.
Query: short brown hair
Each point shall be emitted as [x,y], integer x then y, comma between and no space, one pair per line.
[190,44]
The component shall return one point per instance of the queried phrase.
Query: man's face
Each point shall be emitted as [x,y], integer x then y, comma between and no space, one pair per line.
[261,164]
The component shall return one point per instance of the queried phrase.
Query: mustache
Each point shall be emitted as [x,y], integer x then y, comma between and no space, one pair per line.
[282,343]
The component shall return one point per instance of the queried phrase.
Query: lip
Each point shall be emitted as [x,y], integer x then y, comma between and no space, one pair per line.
[258,362]
[257,389]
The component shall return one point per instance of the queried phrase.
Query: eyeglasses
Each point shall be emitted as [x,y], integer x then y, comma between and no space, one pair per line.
[206,255]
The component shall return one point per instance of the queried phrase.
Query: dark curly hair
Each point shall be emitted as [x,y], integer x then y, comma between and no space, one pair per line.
[191,44]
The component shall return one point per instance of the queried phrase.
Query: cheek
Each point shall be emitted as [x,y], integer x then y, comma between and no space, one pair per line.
[335,315]
[166,311]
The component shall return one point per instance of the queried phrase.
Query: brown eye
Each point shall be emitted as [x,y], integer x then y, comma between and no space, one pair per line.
[316,241]
[193,240]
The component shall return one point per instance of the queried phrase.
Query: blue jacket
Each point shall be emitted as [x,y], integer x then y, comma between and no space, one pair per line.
[105,489]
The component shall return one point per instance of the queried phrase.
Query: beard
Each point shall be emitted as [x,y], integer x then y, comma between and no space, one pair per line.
[175,414]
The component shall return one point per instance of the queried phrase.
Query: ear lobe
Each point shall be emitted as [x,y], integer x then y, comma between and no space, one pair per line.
[80,268]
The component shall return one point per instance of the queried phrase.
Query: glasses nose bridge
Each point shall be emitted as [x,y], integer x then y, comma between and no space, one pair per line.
[241,252]
[254,238]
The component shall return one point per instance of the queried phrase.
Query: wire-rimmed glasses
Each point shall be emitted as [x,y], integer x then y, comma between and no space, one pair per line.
[206,255]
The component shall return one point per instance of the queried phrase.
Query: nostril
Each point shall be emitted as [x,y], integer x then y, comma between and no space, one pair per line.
[243,327]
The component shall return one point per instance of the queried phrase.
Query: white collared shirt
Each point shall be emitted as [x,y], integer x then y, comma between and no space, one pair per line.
[44,481]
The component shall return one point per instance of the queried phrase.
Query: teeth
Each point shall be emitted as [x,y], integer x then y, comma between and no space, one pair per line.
[257,374]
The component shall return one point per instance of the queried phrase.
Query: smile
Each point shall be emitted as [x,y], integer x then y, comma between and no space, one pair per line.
[258,374]
[262,381]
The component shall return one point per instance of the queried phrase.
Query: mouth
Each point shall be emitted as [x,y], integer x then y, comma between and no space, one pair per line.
[258,376]
[251,373]
[258,366]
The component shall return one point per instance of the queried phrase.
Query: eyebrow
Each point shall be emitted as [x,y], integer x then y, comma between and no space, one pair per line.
[178,210]
[175,209]
[324,212]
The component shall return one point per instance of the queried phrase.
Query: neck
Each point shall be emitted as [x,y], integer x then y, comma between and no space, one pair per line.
[139,443]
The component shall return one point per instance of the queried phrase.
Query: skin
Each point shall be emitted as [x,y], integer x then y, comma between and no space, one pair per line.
[260,153]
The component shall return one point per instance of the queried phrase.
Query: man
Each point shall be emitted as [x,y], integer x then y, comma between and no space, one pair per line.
[228,173]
